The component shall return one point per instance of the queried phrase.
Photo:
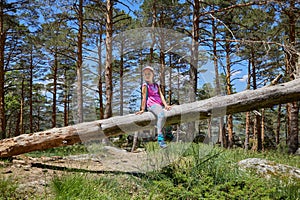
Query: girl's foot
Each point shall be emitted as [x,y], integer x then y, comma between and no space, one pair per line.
[161,141]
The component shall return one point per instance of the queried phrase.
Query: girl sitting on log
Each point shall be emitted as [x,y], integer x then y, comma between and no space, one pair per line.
[154,101]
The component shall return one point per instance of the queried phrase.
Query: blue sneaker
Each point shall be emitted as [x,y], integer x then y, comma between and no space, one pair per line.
[161,141]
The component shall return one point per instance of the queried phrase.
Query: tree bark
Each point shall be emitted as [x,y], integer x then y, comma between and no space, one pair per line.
[2,72]
[257,132]
[293,107]
[108,62]
[229,92]
[162,60]
[170,81]
[222,137]
[121,77]
[199,110]
[293,140]
[277,137]
[66,98]
[100,90]
[194,52]
[21,118]
[31,92]
[54,90]
[79,62]
[153,25]
[262,128]
[247,131]
[193,72]
[257,122]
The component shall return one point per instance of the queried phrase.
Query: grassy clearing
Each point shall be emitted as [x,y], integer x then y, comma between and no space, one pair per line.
[202,172]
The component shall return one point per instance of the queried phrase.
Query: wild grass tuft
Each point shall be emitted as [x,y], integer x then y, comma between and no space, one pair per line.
[8,188]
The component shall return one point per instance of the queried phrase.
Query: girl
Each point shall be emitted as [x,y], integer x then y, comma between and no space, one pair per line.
[154,101]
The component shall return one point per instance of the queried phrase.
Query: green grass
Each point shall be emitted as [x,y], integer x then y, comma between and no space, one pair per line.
[202,172]
[84,186]
[8,188]
[60,151]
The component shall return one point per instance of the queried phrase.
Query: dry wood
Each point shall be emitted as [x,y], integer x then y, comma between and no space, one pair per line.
[240,102]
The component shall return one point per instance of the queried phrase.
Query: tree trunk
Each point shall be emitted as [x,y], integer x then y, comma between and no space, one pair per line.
[162,56]
[262,128]
[199,110]
[2,72]
[153,31]
[162,76]
[21,118]
[178,85]
[277,137]
[79,63]
[135,141]
[54,91]
[292,140]
[66,98]
[194,54]
[257,132]
[193,72]
[293,111]
[100,90]
[222,131]
[170,81]
[247,131]
[108,61]
[229,92]
[257,122]
[121,78]
[31,93]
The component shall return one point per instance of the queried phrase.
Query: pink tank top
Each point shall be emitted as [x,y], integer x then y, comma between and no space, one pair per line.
[153,94]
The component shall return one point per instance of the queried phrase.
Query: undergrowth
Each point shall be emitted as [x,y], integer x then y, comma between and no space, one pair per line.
[202,172]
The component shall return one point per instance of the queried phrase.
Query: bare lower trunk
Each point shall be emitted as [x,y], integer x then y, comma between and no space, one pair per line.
[262,128]
[257,146]
[293,138]
[277,138]
[247,132]
[135,141]
[230,130]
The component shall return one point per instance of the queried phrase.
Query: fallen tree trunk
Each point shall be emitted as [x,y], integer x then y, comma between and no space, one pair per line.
[96,130]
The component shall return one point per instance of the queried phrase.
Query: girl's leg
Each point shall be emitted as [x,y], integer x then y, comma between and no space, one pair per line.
[158,111]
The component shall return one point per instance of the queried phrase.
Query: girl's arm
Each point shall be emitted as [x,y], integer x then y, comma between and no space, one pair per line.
[143,106]
[167,107]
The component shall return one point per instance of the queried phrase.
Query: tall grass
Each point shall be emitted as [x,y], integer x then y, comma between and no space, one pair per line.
[8,188]
[83,186]
[201,172]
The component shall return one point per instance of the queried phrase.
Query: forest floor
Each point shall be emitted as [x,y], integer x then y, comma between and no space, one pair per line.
[34,175]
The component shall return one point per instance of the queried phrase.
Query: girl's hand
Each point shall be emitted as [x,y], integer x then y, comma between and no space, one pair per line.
[168,107]
[139,112]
